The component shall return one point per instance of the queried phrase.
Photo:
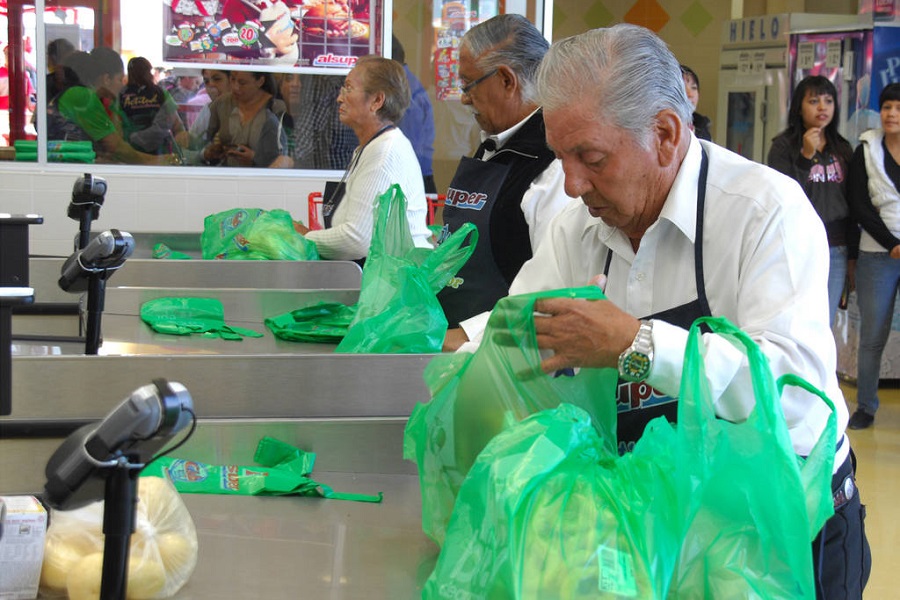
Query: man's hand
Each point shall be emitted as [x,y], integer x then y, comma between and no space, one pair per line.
[582,333]
[454,339]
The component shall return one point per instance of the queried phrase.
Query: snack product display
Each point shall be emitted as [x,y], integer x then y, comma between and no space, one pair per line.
[327,33]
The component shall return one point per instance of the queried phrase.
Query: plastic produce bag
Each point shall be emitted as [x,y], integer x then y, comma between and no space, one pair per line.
[750,506]
[476,396]
[184,316]
[549,510]
[163,550]
[254,234]
[285,472]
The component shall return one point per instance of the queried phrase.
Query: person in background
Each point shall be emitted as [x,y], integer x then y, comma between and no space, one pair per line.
[812,152]
[151,116]
[675,228]
[88,110]
[245,126]
[873,184]
[513,173]
[57,51]
[28,86]
[700,123]
[216,83]
[320,139]
[417,123]
[372,101]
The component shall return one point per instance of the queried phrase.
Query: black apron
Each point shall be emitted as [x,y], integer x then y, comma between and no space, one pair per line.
[333,199]
[471,199]
[638,403]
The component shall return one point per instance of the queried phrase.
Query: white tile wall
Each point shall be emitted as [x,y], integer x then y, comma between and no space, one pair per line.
[147,199]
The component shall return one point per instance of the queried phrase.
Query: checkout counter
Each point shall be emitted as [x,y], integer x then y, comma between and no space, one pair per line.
[349,409]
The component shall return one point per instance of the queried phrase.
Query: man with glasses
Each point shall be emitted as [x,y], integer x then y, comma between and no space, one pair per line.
[512,186]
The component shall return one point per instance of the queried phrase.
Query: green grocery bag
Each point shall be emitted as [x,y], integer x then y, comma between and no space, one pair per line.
[750,506]
[398,310]
[325,322]
[706,509]
[549,510]
[281,470]
[184,316]
[476,396]
[254,234]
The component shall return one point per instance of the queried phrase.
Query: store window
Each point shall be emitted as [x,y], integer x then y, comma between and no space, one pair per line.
[163,82]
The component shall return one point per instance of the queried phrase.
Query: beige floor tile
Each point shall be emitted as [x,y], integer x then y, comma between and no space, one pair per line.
[878,473]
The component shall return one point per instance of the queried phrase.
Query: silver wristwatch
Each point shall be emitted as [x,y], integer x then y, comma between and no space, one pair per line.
[636,360]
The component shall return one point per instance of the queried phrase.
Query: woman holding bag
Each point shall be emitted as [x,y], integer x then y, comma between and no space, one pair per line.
[875,202]
[372,101]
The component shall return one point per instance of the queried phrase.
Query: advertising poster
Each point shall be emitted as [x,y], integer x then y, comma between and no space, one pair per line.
[885,61]
[323,34]
[453,19]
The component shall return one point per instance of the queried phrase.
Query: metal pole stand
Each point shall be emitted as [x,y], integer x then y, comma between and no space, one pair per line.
[119,513]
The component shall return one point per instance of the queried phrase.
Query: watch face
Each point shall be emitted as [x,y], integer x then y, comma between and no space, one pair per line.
[635,366]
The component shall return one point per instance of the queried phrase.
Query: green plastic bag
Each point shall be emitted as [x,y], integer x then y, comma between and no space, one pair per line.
[398,310]
[323,322]
[750,506]
[549,510]
[162,251]
[708,509]
[476,396]
[184,316]
[285,472]
[254,234]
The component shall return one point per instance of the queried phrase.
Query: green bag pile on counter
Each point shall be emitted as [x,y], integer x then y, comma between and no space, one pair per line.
[704,509]
[184,316]
[254,234]
[398,310]
[476,396]
[57,151]
[283,470]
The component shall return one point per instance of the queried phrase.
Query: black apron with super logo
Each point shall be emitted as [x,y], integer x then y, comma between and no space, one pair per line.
[471,198]
[638,403]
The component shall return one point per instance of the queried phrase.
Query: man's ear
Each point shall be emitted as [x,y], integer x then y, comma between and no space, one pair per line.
[508,78]
[667,136]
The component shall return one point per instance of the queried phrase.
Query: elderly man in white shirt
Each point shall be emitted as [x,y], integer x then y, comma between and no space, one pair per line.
[674,229]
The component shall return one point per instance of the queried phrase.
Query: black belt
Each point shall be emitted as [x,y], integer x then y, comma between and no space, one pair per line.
[843,484]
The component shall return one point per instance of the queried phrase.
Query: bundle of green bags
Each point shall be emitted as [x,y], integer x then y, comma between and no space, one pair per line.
[57,151]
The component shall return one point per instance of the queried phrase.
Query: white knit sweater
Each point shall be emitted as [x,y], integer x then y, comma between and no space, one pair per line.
[388,159]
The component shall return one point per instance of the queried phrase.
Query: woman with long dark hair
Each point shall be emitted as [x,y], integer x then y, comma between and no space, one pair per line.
[812,152]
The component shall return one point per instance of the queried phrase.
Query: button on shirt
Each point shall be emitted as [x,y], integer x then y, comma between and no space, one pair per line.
[759,273]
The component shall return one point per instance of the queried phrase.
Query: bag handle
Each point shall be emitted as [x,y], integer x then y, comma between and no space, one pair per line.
[816,469]
[442,263]
[697,415]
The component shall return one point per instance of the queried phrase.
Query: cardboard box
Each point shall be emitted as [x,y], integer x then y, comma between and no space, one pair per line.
[22,547]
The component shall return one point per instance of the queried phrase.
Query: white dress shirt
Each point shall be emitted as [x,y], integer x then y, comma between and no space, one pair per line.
[765,266]
[386,160]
